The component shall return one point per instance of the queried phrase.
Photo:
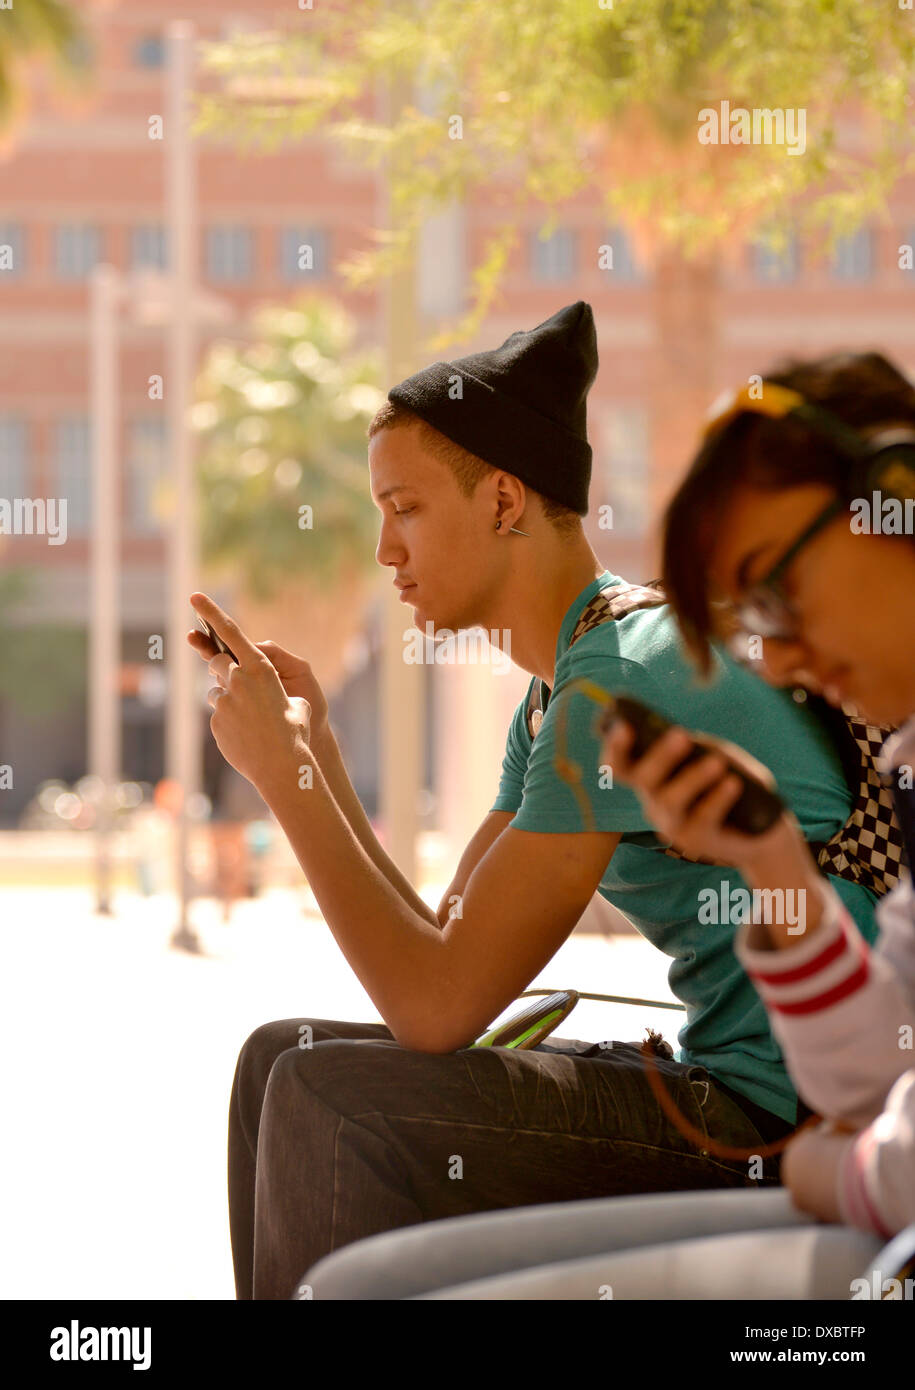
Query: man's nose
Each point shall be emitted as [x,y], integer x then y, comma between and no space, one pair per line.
[388,551]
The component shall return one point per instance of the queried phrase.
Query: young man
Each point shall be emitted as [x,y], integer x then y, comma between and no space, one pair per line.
[775,500]
[481,469]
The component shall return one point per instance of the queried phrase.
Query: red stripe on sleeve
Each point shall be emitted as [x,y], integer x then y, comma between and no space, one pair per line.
[830,996]
[802,972]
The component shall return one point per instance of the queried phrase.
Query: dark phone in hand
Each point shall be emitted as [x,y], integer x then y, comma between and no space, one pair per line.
[758,806]
[217,641]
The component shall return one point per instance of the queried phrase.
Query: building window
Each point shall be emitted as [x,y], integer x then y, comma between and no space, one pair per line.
[617,258]
[12,248]
[553,258]
[776,266]
[149,51]
[76,250]
[229,253]
[12,457]
[853,257]
[298,247]
[148,248]
[73,466]
[146,455]
[625,469]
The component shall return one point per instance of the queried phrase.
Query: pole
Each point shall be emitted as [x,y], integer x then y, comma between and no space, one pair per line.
[403,687]
[104,634]
[183,752]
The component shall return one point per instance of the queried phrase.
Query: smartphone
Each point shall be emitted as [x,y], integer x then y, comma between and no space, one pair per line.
[534,1022]
[217,641]
[758,806]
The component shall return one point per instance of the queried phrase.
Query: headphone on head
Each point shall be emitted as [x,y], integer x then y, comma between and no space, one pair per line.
[883,462]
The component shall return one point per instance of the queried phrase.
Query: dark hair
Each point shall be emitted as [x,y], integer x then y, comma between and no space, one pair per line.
[754,450]
[468,469]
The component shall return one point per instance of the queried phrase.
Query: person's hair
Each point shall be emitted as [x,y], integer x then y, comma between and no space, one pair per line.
[467,468]
[756,451]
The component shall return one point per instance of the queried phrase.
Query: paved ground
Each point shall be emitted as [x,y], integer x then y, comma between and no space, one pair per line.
[119,1060]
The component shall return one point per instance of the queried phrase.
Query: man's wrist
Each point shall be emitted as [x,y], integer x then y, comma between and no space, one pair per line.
[291,773]
[322,743]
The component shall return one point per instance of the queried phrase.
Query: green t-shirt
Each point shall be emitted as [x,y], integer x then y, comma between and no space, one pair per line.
[642,655]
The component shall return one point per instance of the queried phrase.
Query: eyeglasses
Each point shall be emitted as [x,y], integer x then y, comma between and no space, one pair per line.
[766,610]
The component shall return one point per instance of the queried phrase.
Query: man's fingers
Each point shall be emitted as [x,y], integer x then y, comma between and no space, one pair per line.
[226,628]
[220,667]
[286,663]
[201,643]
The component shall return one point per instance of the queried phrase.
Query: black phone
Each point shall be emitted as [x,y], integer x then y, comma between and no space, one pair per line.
[759,804]
[214,637]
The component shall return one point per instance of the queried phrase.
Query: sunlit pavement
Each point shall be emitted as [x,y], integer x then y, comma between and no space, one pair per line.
[119,1056]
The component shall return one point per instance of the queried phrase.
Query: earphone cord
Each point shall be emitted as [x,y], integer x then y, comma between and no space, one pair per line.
[697,1137]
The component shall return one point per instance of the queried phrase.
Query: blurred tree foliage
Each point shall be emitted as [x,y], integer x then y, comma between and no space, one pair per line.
[558,97]
[282,426]
[43,668]
[37,29]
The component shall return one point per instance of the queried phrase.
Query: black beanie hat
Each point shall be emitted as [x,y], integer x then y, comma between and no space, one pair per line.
[520,407]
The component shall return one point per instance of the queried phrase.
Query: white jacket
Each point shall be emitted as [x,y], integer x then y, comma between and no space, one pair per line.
[844,1016]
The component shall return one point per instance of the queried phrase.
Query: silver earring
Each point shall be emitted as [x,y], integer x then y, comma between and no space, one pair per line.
[512,528]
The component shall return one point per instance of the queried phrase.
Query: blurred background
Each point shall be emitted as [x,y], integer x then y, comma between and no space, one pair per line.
[225,230]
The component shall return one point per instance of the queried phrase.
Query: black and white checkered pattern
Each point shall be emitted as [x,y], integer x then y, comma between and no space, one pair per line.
[868,848]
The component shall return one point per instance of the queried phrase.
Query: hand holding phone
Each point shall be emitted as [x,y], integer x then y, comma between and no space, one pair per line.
[214,637]
[756,809]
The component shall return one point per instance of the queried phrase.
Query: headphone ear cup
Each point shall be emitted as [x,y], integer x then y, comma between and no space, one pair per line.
[889,471]
[857,479]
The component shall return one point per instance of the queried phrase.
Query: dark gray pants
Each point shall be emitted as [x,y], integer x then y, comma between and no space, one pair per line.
[356,1135]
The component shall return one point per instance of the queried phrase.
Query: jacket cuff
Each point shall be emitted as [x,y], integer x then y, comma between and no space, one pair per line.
[855,1201]
[831,964]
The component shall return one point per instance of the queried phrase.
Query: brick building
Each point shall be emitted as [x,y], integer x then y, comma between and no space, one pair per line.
[85,183]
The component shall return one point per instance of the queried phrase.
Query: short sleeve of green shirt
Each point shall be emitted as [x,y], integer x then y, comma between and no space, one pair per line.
[548,804]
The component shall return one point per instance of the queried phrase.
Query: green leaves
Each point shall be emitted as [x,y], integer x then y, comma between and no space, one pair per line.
[282,425]
[558,98]
[33,28]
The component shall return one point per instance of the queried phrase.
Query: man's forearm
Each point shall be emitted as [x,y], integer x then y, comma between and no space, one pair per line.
[333,767]
[394,949]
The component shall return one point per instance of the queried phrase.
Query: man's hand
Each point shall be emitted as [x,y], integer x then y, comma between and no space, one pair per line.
[300,682]
[259,729]
[295,673]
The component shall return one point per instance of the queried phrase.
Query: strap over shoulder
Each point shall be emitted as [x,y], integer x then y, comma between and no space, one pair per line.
[616,602]
[605,607]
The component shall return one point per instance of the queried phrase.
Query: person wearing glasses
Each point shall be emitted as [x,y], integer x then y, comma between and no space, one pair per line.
[761,540]
[835,608]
